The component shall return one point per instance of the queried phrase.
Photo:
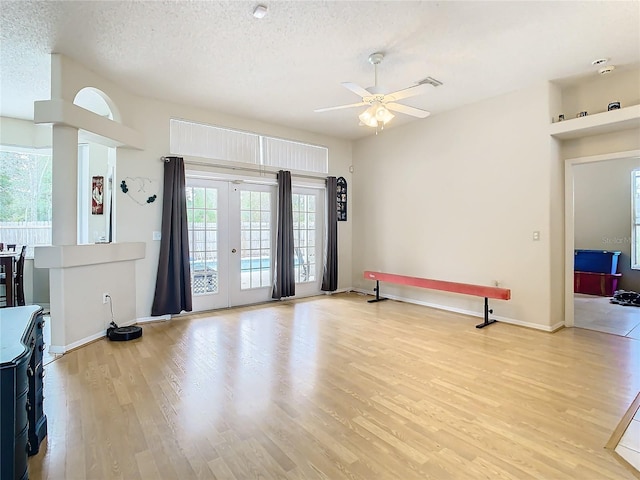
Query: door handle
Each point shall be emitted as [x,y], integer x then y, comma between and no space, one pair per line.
[233,250]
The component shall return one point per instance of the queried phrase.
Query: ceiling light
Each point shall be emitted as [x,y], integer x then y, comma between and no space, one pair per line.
[607,69]
[600,61]
[368,117]
[260,11]
[383,115]
[376,115]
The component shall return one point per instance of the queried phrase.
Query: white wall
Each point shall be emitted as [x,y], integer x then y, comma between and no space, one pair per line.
[24,133]
[457,197]
[150,117]
[602,216]
[593,94]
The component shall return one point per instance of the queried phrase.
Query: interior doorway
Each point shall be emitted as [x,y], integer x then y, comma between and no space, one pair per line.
[598,217]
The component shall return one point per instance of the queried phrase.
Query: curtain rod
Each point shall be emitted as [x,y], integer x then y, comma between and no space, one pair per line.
[318,176]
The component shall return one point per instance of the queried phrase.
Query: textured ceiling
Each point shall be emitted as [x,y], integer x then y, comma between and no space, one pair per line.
[279,69]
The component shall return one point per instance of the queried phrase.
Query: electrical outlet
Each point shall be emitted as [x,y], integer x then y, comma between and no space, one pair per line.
[105,297]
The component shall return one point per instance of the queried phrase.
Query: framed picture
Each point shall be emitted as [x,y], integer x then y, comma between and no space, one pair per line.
[97,195]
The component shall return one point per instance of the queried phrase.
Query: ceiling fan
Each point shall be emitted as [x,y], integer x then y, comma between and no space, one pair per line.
[378,114]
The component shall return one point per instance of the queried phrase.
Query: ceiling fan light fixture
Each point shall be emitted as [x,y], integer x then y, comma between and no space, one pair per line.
[368,117]
[376,115]
[383,115]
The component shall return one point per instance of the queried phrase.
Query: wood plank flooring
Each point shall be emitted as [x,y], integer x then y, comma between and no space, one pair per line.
[336,388]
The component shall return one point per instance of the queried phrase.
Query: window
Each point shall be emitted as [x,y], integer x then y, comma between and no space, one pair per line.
[25,196]
[208,141]
[202,220]
[304,237]
[635,219]
[255,235]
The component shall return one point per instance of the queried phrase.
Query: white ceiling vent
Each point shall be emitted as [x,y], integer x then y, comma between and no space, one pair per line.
[430,81]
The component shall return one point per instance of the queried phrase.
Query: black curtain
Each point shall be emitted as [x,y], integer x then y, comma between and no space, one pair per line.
[284,283]
[330,275]
[173,283]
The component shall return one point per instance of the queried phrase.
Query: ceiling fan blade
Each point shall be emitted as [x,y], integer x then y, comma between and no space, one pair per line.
[408,92]
[340,107]
[414,112]
[357,89]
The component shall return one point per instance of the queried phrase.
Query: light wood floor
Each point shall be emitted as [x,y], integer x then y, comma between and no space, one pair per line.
[336,388]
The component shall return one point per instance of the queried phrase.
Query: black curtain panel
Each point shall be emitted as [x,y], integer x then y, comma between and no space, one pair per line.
[173,283]
[284,282]
[330,275]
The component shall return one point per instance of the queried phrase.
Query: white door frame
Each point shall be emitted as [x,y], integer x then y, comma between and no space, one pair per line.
[569,227]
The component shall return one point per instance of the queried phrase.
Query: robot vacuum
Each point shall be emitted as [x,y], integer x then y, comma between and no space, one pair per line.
[121,334]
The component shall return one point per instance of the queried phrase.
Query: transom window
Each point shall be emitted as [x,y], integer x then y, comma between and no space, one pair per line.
[228,145]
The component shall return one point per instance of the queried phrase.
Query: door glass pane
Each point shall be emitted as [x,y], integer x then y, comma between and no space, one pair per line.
[255,232]
[202,221]
[304,236]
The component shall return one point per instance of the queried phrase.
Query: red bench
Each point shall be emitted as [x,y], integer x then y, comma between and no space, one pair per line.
[455,287]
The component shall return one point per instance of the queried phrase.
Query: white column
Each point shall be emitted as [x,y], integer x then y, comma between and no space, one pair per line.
[64,199]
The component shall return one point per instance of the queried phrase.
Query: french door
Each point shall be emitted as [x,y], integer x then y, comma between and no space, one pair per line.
[207,221]
[232,241]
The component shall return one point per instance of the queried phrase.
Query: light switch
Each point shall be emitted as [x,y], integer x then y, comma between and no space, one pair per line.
[536,235]
[157,236]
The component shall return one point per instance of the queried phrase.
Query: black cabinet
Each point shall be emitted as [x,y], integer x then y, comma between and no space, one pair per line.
[24,424]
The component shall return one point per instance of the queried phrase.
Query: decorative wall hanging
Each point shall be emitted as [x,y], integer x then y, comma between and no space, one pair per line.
[141,190]
[97,195]
[341,192]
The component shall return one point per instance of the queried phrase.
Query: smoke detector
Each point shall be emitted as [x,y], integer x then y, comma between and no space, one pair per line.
[606,70]
[260,11]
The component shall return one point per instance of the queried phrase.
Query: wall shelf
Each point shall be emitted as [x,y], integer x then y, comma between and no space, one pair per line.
[605,122]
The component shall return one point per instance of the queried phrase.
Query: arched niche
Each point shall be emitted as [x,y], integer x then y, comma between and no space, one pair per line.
[96,173]
[98,102]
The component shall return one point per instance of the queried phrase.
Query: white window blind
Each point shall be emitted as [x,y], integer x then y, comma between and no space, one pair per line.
[294,156]
[208,141]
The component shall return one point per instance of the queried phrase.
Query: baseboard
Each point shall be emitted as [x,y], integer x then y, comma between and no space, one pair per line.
[340,290]
[160,318]
[266,302]
[61,350]
[462,311]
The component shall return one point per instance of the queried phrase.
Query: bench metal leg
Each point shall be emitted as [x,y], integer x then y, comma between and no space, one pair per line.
[377,290]
[487,311]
